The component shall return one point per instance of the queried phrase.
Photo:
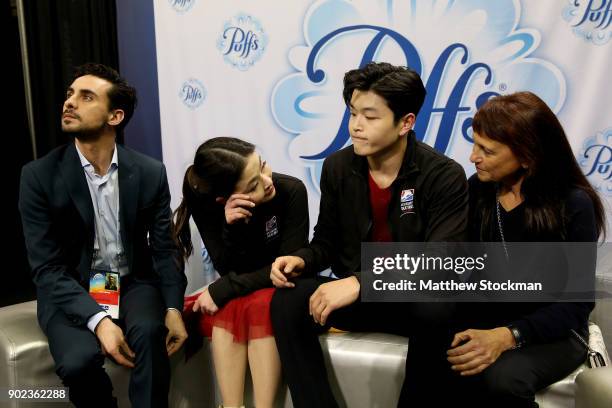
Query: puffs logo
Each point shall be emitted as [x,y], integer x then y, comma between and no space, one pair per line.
[590,19]
[462,66]
[181,6]
[192,93]
[596,161]
[242,42]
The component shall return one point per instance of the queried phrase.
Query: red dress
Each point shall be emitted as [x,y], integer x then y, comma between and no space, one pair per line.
[277,227]
[246,317]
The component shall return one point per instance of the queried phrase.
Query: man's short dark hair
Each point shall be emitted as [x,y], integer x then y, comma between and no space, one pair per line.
[121,95]
[401,87]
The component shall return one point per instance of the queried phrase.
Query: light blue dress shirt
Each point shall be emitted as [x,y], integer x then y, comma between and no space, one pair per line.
[108,247]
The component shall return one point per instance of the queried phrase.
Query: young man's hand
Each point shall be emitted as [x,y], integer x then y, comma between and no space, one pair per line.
[331,296]
[176,331]
[285,268]
[112,342]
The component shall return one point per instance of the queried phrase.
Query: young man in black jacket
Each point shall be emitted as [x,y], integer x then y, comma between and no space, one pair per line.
[386,187]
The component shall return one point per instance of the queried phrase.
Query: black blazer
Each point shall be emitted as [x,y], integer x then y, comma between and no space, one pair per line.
[58,223]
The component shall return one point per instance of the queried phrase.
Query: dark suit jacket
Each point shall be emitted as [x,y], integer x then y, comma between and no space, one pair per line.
[58,224]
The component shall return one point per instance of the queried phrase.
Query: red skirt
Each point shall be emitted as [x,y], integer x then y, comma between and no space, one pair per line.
[246,318]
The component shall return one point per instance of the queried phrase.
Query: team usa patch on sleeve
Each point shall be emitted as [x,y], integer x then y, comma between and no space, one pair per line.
[407,201]
[271,228]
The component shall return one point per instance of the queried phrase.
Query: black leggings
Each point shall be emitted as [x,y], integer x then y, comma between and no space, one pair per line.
[427,370]
[516,376]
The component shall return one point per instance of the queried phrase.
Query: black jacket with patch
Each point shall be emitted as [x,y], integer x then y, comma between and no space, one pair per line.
[429,202]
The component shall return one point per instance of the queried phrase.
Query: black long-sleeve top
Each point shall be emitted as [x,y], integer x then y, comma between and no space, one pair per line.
[537,322]
[243,253]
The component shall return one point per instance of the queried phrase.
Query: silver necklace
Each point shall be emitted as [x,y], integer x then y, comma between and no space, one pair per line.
[501,228]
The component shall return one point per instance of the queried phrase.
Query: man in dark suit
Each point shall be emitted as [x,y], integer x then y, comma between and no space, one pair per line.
[93,205]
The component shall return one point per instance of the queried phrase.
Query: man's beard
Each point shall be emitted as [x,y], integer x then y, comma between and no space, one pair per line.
[85,135]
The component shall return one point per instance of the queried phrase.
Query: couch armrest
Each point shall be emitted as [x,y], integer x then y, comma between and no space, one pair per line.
[602,315]
[23,344]
[594,388]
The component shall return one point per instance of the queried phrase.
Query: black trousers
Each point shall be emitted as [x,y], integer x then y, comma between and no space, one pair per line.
[79,359]
[515,377]
[296,334]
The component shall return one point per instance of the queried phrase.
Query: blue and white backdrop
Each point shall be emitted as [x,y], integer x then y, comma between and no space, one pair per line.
[271,72]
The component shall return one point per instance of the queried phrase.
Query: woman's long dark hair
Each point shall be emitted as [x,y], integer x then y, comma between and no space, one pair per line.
[524,123]
[216,168]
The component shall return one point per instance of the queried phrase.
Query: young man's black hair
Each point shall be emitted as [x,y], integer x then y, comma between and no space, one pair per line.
[401,87]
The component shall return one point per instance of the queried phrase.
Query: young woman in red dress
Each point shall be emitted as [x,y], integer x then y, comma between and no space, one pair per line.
[247,216]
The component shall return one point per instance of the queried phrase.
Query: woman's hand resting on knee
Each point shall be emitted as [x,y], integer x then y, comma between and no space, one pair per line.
[474,350]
